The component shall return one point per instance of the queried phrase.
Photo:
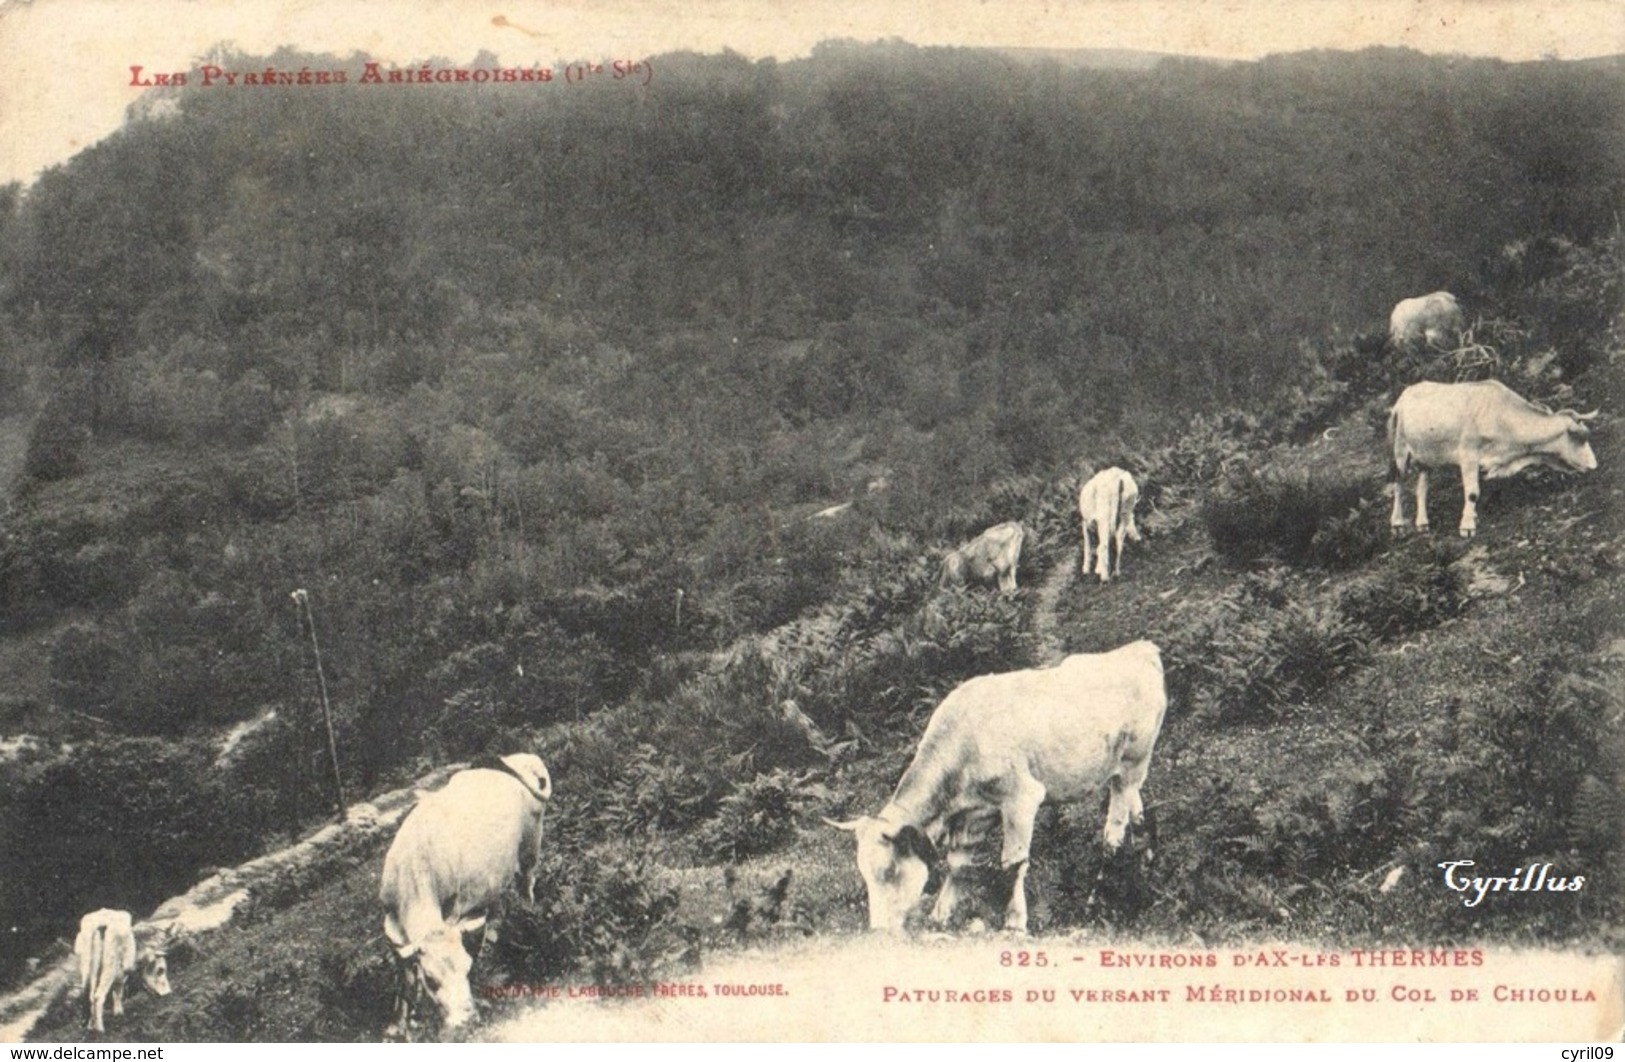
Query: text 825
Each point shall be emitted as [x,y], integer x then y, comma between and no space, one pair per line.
[1023,958]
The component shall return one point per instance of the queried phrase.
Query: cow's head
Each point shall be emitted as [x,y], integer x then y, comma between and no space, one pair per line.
[1576,454]
[440,965]
[895,862]
[153,963]
[530,770]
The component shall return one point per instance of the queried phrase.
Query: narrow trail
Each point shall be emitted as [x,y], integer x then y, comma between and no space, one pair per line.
[1050,647]
[275,880]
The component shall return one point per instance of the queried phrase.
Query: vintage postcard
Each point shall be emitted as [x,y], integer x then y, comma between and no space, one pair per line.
[743,521]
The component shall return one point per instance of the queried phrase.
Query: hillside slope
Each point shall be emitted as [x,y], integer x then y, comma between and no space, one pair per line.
[534,492]
[1275,820]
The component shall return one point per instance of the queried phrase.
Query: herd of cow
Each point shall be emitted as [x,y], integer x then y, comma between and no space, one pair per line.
[994,750]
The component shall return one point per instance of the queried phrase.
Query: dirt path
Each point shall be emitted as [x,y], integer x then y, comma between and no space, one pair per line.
[1046,627]
[275,880]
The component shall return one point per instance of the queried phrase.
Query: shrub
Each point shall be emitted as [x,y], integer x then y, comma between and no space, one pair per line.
[1521,773]
[1212,445]
[1410,592]
[1258,649]
[1348,541]
[759,815]
[60,438]
[86,669]
[1266,662]
[600,913]
[656,793]
[1252,516]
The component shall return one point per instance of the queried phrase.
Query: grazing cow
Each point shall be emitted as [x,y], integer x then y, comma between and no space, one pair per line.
[449,863]
[996,748]
[1426,318]
[1481,427]
[994,554]
[1106,504]
[107,956]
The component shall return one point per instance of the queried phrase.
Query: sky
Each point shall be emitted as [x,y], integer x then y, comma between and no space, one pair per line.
[65,78]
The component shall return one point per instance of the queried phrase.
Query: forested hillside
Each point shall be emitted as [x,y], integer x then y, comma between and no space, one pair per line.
[536,390]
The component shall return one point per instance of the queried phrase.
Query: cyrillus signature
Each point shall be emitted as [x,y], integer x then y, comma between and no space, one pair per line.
[1536,877]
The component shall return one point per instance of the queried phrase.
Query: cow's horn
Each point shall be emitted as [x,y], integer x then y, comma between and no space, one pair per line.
[1588,416]
[850,825]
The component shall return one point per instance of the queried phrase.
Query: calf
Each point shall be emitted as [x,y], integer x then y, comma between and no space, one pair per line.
[1106,505]
[995,554]
[1429,319]
[107,955]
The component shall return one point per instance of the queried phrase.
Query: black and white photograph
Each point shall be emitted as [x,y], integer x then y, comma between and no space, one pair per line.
[1079,521]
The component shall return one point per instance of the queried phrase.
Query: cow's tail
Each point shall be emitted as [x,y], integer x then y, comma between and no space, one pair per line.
[1109,532]
[91,964]
[89,948]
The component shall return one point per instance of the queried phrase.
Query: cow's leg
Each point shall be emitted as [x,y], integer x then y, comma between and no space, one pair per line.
[98,1000]
[405,986]
[1422,500]
[1103,566]
[1396,518]
[487,932]
[1125,805]
[965,830]
[1117,562]
[533,858]
[958,860]
[1469,506]
[1020,808]
[1015,915]
[1007,581]
[118,995]
[1085,536]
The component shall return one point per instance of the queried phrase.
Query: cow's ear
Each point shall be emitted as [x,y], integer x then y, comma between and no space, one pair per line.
[912,841]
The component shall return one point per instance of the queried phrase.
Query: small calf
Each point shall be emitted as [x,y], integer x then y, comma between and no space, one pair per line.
[107,956]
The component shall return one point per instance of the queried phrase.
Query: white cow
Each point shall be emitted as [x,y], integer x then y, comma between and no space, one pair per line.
[1482,428]
[994,554]
[997,747]
[1430,318]
[449,863]
[1106,505]
[107,956]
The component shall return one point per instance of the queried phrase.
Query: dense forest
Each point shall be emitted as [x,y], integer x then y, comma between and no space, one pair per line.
[536,390]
